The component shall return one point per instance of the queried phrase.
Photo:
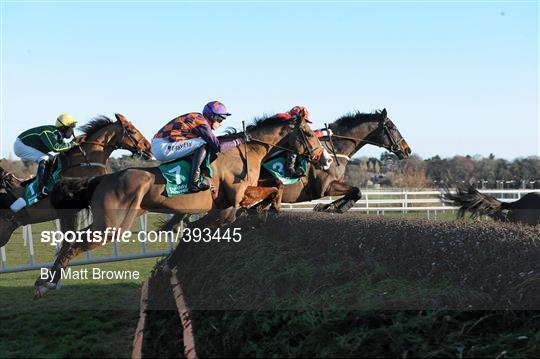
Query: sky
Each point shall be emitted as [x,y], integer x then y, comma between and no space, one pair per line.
[456,78]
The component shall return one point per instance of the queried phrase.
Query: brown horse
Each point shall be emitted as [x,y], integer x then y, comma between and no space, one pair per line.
[100,138]
[117,199]
[525,210]
[350,133]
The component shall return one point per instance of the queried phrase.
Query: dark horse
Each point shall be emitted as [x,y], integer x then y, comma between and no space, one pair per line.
[525,210]
[100,138]
[350,133]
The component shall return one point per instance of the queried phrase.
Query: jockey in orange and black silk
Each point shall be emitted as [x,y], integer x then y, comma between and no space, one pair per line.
[191,134]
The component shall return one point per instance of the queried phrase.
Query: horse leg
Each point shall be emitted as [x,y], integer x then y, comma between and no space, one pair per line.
[7,227]
[105,222]
[68,251]
[275,183]
[261,199]
[342,205]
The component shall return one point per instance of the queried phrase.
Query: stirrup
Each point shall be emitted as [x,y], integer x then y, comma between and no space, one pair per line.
[200,186]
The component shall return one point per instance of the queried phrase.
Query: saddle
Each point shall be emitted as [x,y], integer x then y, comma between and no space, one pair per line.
[275,167]
[176,173]
[32,194]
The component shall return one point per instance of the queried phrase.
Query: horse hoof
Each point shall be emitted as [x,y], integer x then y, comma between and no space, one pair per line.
[346,206]
[329,208]
[165,268]
[40,292]
[320,207]
[43,288]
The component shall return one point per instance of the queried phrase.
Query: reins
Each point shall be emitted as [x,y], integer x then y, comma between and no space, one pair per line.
[277,146]
[248,138]
[103,144]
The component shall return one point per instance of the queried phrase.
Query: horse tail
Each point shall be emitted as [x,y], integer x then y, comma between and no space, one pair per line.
[74,193]
[467,198]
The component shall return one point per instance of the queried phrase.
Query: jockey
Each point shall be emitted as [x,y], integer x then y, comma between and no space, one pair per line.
[35,143]
[191,134]
[292,168]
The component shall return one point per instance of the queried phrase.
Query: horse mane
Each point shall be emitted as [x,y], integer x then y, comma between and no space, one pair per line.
[231,133]
[259,122]
[356,116]
[264,120]
[96,124]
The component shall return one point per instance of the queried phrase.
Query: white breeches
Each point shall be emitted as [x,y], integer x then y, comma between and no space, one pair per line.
[28,153]
[164,150]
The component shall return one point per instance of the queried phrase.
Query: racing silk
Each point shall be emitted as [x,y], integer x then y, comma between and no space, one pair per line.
[45,139]
[321,133]
[193,125]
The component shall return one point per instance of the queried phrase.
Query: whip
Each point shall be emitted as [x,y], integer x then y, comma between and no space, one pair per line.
[245,150]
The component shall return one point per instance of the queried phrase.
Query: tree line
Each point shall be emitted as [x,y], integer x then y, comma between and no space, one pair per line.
[415,172]
[388,170]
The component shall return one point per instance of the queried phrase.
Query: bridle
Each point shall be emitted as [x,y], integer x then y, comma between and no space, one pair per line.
[115,146]
[383,129]
[309,153]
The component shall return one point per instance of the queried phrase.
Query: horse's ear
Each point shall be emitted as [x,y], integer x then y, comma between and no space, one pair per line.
[384,112]
[120,118]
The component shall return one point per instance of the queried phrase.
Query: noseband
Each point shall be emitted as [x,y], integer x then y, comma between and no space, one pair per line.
[385,129]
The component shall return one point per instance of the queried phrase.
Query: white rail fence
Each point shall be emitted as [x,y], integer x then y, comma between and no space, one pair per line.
[28,246]
[377,202]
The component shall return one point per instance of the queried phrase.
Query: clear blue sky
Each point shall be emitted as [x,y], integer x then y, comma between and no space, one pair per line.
[456,78]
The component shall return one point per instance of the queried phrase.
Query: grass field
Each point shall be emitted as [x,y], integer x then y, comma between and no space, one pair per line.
[84,318]
[98,317]
[310,284]
[90,318]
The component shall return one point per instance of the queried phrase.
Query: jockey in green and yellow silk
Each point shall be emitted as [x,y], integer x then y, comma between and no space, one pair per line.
[35,144]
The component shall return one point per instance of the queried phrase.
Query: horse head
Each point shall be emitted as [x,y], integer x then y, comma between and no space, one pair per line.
[303,141]
[390,137]
[132,139]
[122,134]
[355,130]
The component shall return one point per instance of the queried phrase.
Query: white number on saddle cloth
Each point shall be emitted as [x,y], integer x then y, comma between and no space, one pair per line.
[279,168]
[176,170]
[31,189]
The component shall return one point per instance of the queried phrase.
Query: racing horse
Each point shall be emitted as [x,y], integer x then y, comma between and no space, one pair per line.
[100,138]
[117,199]
[525,210]
[349,134]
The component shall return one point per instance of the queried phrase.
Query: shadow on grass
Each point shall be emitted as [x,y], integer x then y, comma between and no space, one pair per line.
[75,321]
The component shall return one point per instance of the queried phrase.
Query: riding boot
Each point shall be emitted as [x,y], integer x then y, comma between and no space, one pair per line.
[196,181]
[41,176]
[290,166]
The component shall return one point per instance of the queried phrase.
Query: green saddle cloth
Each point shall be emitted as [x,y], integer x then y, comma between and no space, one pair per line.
[32,194]
[276,167]
[176,174]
